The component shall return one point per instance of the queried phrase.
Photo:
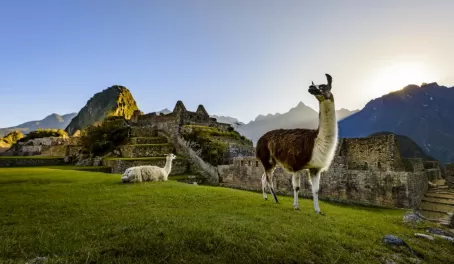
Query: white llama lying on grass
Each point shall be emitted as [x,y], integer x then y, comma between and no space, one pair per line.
[148,172]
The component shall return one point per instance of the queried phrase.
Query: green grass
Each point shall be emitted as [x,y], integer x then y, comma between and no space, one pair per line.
[31,157]
[71,216]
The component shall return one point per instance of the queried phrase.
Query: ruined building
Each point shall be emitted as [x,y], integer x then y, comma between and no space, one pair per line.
[365,170]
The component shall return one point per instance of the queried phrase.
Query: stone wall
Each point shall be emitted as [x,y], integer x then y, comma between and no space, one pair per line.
[147,140]
[180,116]
[36,146]
[236,150]
[32,161]
[143,131]
[399,189]
[414,164]
[73,150]
[58,151]
[179,166]
[449,179]
[378,153]
[149,150]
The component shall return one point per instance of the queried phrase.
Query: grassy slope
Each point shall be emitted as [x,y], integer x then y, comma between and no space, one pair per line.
[82,217]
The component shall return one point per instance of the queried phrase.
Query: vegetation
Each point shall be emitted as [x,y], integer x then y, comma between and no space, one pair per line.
[211,142]
[12,138]
[90,217]
[116,100]
[42,133]
[101,138]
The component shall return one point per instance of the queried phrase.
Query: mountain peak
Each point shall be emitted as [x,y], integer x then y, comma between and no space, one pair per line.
[116,100]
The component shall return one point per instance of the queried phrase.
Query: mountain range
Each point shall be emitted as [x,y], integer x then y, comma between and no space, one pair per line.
[423,113]
[51,121]
[300,116]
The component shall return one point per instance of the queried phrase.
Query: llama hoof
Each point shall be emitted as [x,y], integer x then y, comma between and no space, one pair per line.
[297,208]
[320,213]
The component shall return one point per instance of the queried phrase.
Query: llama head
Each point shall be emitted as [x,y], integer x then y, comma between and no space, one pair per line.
[322,91]
[170,157]
[127,176]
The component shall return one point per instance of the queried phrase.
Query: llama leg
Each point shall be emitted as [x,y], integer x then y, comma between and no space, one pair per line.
[296,182]
[269,179]
[264,184]
[315,175]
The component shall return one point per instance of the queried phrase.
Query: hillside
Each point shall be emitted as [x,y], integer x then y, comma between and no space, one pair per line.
[113,101]
[301,116]
[51,121]
[423,113]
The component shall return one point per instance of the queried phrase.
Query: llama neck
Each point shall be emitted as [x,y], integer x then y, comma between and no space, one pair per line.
[168,167]
[327,129]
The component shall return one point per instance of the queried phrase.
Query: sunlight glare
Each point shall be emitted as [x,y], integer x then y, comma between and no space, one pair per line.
[399,75]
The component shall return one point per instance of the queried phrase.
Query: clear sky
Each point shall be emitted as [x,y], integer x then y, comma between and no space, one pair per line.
[237,58]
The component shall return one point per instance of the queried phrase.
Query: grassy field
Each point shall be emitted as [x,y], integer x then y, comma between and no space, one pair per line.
[71,216]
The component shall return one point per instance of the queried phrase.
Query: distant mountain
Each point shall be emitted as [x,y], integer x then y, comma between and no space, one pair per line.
[164,111]
[235,123]
[51,121]
[423,113]
[114,101]
[301,116]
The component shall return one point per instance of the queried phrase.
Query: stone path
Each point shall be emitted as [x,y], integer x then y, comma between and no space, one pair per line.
[438,204]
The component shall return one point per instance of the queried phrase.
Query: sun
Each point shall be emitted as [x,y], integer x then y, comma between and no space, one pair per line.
[398,75]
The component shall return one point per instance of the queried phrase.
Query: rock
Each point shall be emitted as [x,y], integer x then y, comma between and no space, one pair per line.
[97,161]
[85,162]
[195,183]
[393,240]
[396,241]
[432,185]
[450,239]
[438,231]
[390,261]
[37,260]
[424,236]
[412,218]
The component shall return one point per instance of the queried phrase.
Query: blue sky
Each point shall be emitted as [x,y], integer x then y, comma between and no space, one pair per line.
[238,58]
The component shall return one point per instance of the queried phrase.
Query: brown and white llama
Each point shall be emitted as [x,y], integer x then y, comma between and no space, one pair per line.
[301,149]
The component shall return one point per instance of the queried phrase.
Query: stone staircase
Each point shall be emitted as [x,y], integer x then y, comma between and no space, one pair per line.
[145,147]
[438,204]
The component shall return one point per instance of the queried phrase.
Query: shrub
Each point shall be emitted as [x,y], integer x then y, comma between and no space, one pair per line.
[208,142]
[12,137]
[103,137]
[42,133]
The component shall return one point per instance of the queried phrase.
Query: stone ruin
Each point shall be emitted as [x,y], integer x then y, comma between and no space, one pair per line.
[179,117]
[366,171]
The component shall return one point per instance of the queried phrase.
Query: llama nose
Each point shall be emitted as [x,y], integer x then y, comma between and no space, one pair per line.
[124,179]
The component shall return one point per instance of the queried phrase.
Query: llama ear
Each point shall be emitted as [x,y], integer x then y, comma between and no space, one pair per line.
[330,80]
[313,83]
